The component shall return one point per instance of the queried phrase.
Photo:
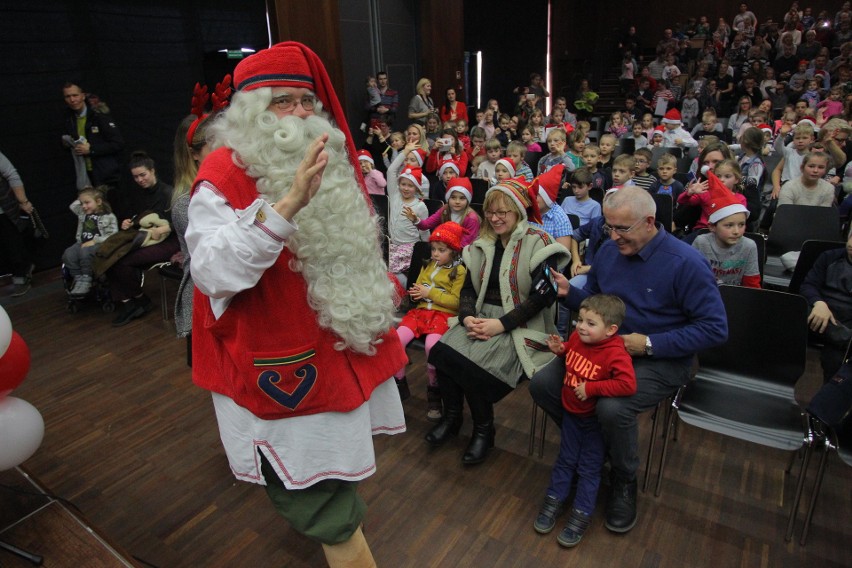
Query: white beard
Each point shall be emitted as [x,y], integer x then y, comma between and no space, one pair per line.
[337,245]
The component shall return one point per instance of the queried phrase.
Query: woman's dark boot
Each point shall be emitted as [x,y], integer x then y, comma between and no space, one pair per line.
[451,422]
[482,439]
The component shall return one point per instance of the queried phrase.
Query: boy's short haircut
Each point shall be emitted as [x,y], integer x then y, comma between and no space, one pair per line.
[666,160]
[752,139]
[561,99]
[515,146]
[803,129]
[584,125]
[625,161]
[609,307]
[708,114]
[645,153]
[581,176]
[477,132]
[493,144]
[395,135]
[559,133]
[504,116]
[610,137]
[709,139]
[593,147]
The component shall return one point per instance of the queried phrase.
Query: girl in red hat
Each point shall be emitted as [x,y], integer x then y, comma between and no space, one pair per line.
[436,292]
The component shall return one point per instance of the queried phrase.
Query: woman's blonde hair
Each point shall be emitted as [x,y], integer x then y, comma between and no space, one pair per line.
[420,84]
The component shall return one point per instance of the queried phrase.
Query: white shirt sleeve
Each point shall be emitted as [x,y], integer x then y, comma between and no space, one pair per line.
[231,248]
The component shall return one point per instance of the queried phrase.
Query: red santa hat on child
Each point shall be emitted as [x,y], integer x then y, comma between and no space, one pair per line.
[672,117]
[292,64]
[364,155]
[660,129]
[420,154]
[807,120]
[462,185]
[508,164]
[517,190]
[448,233]
[765,128]
[448,163]
[414,175]
[723,203]
[547,186]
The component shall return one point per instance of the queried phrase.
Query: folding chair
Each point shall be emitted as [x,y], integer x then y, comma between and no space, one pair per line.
[480,188]
[745,388]
[793,225]
[807,257]
[665,213]
[433,205]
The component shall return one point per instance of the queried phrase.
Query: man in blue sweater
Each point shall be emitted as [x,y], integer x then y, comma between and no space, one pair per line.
[673,311]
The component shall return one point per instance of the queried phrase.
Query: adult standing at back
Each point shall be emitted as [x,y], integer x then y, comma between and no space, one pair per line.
[745,18]
[389,104]
[674,310]
[453,109]
[421,104]
[94,137]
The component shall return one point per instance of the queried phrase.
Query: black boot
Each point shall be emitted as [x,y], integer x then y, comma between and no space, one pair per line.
[482,439]
[404,391]
[451,422]
[621,506]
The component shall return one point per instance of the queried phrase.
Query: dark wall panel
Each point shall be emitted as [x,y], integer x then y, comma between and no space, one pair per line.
[141,58]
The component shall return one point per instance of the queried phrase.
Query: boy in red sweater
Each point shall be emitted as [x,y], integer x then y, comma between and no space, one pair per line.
[596,364]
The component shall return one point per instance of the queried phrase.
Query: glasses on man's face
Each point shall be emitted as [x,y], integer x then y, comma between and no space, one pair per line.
[287,102]
[499,214]
[608,229]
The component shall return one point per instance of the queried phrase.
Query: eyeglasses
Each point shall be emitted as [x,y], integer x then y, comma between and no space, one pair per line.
[286,103]
[498,214]
[607,229]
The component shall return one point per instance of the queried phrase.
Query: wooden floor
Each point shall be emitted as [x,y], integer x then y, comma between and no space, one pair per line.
[132,443]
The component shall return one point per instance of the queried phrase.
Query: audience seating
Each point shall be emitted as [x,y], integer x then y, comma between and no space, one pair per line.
[811,250]
[665,213]
[745,388]
[480,188]
[826,439]
[792,226]
[433,205]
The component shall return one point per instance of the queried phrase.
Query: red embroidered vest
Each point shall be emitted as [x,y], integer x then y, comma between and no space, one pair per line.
[266,351]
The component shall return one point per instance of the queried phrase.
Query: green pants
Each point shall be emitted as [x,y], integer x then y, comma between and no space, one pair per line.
[329,511]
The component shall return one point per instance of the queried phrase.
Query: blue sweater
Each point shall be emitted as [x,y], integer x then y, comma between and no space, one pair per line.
[670,294]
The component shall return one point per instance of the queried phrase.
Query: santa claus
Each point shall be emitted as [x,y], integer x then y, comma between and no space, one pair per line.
[293,311]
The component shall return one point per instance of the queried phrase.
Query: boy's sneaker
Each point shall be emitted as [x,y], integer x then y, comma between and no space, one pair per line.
[572,534]
[546,519]
[22,285]
[82,286]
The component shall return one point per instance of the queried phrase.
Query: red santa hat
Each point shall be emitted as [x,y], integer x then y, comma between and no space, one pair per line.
[414,175]
[765,128]
[517,190]
[420,154]
[508,164]
[448,163]
[723,203]
[807,120]
[672,117]
[292,64]
[462,185]
[448,233]
[547,185]
[660,129]
[364,155]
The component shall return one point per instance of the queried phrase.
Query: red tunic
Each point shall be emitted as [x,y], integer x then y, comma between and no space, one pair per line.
[267,351]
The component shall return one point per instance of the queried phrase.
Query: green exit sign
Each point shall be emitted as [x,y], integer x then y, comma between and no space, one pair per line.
[235,54]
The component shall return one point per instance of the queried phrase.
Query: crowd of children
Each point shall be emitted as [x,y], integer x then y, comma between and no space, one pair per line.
[697,125]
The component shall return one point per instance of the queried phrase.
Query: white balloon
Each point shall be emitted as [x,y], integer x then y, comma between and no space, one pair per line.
[21,431]
[5,331]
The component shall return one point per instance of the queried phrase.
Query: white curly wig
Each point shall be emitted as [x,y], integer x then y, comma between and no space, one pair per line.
[336,247]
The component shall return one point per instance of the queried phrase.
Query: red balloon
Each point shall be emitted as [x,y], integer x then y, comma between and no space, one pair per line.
[14,365]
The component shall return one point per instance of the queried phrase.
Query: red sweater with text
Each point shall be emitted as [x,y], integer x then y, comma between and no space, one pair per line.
[605,367]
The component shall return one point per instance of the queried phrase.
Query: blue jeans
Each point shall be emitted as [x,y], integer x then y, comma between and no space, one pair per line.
[656,379]
[582,450]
